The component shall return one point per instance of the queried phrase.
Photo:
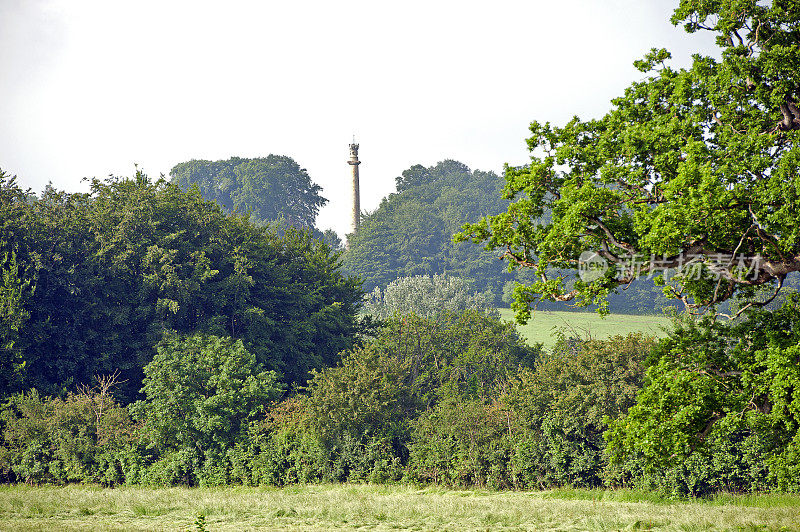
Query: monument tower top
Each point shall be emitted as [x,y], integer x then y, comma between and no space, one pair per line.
[353,153]
[354,162]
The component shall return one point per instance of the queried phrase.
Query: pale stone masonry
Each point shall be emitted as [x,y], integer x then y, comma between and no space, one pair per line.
[354,162]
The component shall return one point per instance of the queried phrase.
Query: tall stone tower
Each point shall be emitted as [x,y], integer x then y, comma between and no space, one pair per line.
[354,162]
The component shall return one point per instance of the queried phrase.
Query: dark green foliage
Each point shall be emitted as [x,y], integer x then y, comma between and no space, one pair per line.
[15,284]
[463,444]
[560,407]
[108,271]
[356,421]
[458,419]
[712,387]
[546,428]
[455,366]
[468,355]
[365,459]
[287,447]
[201,394]
[411,231]
[272,188]
[282,448]
[367,394]
[332,239]
[13,316]
[697,164]
[362,409]
[367,403]
[83,438]
[731,461]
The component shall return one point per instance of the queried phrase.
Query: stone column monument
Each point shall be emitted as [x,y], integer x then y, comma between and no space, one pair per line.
[354,162]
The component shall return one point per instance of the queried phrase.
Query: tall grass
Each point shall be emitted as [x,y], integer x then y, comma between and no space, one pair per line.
[381,508]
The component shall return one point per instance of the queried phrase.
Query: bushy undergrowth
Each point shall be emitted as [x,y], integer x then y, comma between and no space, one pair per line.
[82,438]
[458,400]
[720,409]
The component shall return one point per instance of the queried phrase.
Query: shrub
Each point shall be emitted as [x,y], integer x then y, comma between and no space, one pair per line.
[368,393]
[462,444]
[81,438]
[465,355]
[427,297]
[281,448]
[201,394]
[361,409]
[559,408]
[716,389]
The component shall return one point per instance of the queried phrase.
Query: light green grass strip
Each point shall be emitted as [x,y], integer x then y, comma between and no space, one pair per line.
[544,325]
[367,507]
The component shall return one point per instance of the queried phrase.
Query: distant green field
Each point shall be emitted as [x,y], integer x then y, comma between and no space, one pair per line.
[370,507]
[543,326]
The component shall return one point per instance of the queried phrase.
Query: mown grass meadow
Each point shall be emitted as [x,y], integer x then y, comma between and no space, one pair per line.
[545,325]
[372,507]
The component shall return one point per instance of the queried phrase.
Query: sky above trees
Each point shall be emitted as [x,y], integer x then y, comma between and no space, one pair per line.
[89,88]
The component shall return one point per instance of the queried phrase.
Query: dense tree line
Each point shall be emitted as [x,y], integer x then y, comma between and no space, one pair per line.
[453,398]
[218,322]
[411,234]
[206,415]
[456,400]
[92,282]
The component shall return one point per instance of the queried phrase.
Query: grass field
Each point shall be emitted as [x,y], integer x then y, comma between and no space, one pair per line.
[367,507]
[543,325]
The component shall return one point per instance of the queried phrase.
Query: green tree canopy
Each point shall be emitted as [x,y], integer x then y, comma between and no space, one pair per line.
[427,296]
[201,394]
[100,276]
[410,233]
[460,355]
[710,383]
[691,167]
[270,188]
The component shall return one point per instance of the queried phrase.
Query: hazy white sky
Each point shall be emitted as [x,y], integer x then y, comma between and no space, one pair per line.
[88,88]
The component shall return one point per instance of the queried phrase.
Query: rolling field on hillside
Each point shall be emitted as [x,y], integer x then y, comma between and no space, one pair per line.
[369,507]
[544,325]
